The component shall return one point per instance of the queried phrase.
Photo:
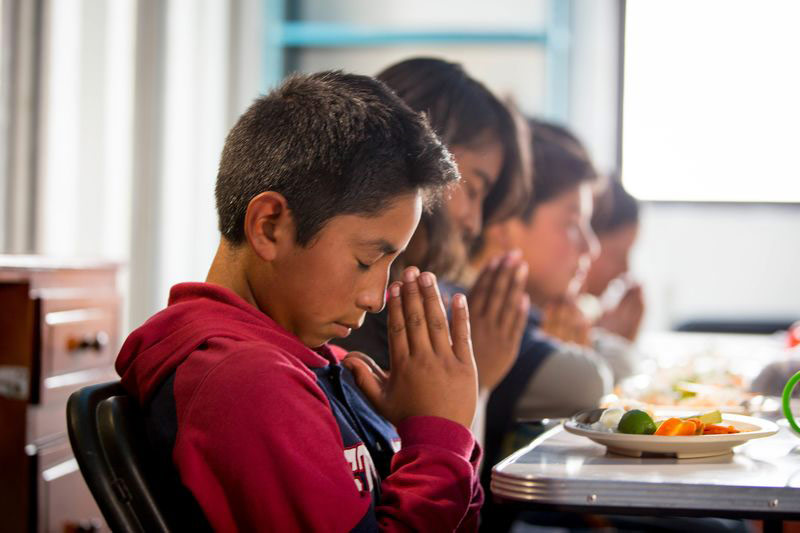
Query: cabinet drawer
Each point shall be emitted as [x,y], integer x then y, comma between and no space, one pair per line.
[76,341]
[65,502]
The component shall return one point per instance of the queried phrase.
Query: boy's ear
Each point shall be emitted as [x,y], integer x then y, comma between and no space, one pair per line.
[268,224]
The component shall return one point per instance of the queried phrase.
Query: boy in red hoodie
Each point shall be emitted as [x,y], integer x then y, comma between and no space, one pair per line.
[320,186]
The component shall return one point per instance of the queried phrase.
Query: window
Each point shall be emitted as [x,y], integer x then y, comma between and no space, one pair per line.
[712,100]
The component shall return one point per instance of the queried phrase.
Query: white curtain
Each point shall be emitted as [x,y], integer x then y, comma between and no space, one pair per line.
[137,96]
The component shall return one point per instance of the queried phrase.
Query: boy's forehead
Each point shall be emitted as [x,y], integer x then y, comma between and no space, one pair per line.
[387,231]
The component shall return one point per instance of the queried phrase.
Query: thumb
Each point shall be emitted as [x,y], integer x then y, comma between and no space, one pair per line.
[366,379]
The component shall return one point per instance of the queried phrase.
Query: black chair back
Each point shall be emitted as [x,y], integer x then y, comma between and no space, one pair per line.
[107,434]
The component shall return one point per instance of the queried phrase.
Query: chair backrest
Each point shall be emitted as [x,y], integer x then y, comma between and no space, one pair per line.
[106,430]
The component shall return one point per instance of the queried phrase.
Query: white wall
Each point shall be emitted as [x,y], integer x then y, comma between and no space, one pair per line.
[594,78]
[515,71]
[718,261]
[442,14]
[130,144]
[510,70]
[702,260]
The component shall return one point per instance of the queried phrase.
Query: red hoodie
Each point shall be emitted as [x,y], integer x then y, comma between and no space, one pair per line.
[271,434]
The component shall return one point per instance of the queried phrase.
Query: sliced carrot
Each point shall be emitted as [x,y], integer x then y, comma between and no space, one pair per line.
[675,427]
[686,428]
[668,426]
[699,425]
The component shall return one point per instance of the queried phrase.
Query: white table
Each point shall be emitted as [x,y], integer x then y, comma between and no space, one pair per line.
[562,471]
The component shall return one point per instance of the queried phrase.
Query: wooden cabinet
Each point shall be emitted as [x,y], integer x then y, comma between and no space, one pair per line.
[59,331]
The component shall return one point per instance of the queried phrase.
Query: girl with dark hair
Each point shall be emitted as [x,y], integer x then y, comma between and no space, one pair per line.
[484,139]
[488,145]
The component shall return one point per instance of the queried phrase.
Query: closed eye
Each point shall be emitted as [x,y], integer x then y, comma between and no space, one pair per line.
[473,192]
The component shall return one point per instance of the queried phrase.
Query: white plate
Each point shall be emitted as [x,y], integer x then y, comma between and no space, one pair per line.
[681,447]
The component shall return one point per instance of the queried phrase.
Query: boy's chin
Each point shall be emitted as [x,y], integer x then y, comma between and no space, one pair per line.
[316,342]
[315,339]
[318,338]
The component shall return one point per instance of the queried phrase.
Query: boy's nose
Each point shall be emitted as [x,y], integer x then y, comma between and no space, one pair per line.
[373,298]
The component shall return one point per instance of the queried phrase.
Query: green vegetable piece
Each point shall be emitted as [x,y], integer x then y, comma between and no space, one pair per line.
[713,417]
[636,422]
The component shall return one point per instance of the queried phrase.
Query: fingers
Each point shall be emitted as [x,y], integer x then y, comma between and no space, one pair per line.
[459,329]
[629,313]
[564,321]
[435,316]
[513,301]
[481,289]
[380,373]
[637,297]
[502,283]
[414,313]
[631,305]
[521,317]
[396,325]
[365,379]
[631,293]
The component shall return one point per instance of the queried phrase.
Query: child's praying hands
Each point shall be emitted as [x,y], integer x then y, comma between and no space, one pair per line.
[432,366]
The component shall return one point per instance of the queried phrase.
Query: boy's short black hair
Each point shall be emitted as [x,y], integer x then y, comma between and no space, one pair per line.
[560,163]
[331,143]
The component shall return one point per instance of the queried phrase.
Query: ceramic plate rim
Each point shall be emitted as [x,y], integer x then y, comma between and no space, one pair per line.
[766,429]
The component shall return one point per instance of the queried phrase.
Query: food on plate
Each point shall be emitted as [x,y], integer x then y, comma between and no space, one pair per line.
[712,417]
[686,387]
[641,422]
[675,427]
[636,422]
[610,418]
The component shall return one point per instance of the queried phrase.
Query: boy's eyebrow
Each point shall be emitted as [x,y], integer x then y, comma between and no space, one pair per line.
[381,244]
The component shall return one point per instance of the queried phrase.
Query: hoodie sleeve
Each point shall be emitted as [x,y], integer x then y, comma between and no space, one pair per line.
[571,378]
[433,476]
[259,449]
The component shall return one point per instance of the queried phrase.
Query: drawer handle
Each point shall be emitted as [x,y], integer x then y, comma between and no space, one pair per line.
[96,342]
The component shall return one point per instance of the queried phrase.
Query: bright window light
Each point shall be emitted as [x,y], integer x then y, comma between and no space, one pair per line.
[711,106]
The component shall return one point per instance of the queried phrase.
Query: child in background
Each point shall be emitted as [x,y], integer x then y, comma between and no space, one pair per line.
[557,371]
[615,221]
[485,141]
[552,378]
[321,185]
